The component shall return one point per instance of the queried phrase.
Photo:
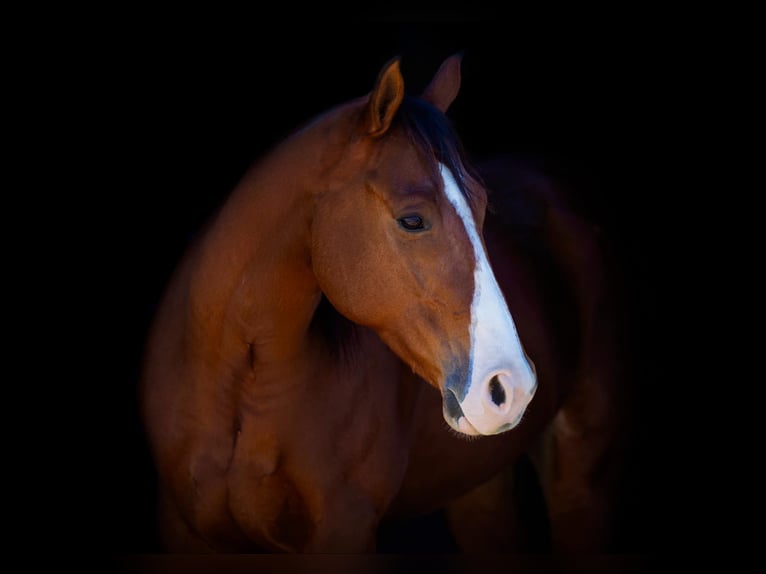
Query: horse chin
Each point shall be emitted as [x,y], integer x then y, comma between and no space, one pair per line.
[465,427]
[455,417]
[459,422]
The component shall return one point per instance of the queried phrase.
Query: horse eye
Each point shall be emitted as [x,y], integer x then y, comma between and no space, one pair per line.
[412,223]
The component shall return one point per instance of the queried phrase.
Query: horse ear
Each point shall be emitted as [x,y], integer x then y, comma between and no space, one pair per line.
[386,97]
[444,86]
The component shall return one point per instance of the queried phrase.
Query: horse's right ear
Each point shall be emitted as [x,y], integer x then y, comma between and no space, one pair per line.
[385,99]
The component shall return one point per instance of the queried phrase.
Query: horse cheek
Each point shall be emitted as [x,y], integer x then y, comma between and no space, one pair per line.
[342,265]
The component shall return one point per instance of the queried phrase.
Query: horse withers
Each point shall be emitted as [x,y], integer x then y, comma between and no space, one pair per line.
[347,343]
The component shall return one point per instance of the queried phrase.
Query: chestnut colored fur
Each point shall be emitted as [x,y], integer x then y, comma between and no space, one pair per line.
[290,386]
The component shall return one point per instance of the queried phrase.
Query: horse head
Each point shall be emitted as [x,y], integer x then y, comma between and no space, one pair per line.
[397,246]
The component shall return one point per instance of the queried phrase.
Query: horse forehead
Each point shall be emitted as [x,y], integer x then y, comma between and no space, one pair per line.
[398,164]
[398,156]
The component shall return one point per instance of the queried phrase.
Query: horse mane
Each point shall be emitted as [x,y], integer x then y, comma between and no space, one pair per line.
[338,333]
[433,132]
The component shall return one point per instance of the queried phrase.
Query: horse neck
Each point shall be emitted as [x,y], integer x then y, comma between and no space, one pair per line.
[252,287]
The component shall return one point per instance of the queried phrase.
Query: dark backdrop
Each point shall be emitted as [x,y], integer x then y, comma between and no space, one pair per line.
[181,110]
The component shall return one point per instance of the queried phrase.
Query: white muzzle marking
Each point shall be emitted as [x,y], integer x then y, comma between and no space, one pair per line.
[501,379]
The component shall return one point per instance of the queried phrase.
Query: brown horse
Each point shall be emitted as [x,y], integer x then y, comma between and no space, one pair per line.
[356,338]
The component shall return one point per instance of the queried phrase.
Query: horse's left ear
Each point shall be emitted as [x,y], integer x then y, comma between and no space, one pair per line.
[445,85]
[386,97]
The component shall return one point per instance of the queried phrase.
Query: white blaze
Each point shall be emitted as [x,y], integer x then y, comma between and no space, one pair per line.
[495,345]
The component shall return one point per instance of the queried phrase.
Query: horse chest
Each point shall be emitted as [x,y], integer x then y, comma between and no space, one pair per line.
[319,473]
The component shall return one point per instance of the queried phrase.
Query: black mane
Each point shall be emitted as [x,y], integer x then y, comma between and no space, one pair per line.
[434,132]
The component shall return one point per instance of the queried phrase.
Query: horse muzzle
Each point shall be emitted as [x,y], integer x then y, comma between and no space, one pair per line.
[490,404]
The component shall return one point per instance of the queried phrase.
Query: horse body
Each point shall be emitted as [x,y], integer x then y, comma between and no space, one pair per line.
[294,398]
[247,387]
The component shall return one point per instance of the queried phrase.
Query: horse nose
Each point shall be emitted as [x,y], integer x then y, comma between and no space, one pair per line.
[505,399]
[494,403]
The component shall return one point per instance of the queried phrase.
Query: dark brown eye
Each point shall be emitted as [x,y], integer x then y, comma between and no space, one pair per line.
[412,223]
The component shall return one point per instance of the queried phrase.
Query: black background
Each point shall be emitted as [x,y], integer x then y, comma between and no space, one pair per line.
[181,108]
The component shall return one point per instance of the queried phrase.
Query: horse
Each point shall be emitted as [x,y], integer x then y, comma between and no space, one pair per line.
[365,331]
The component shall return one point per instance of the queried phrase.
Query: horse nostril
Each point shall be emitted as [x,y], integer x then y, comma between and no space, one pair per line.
[496,391]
